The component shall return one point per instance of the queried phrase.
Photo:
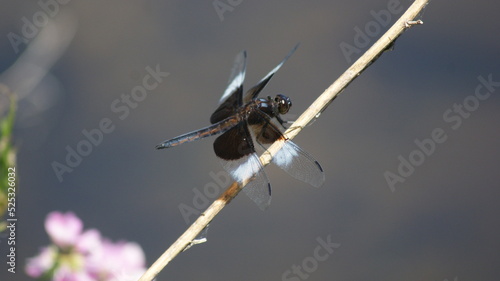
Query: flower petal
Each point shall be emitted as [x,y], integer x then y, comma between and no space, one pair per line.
[89,242]
[63,229]
[38,265]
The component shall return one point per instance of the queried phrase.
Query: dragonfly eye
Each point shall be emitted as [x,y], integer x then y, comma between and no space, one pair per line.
[284,103]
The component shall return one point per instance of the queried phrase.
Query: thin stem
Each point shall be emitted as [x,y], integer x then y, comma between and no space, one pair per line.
[319,105]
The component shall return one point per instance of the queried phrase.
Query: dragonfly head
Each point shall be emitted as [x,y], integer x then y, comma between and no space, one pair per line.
[283,103]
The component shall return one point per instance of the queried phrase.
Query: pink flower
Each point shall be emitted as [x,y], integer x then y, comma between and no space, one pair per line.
[63,229]
[89,242]
[117,261]
[65,273]
[84,256]
[38,265]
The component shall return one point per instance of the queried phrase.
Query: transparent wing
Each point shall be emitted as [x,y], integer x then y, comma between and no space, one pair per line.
[299,164]
[291,158]
[236,77]
[249,168]
[232,98]
[255,90]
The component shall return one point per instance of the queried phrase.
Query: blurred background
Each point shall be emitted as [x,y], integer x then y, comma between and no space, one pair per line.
[440,222]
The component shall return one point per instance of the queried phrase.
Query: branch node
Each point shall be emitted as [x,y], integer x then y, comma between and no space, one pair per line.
[411,23]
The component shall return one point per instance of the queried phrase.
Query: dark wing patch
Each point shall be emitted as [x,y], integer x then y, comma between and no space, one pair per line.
[268,133]
[234,144]
[229,107]
[263,128]
[238,157]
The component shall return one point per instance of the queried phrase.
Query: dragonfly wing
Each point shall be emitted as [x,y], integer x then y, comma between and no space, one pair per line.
[250,168]
[255,90]
[236,151]
[231,100]
[291,158]
[237,75]
[299,164]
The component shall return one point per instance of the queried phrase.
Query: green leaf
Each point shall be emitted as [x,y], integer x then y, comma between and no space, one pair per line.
[7,152]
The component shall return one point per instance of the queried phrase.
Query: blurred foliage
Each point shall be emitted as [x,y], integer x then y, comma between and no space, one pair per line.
[7,156]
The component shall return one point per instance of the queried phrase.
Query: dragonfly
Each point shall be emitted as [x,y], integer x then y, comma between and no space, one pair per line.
[246,124]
